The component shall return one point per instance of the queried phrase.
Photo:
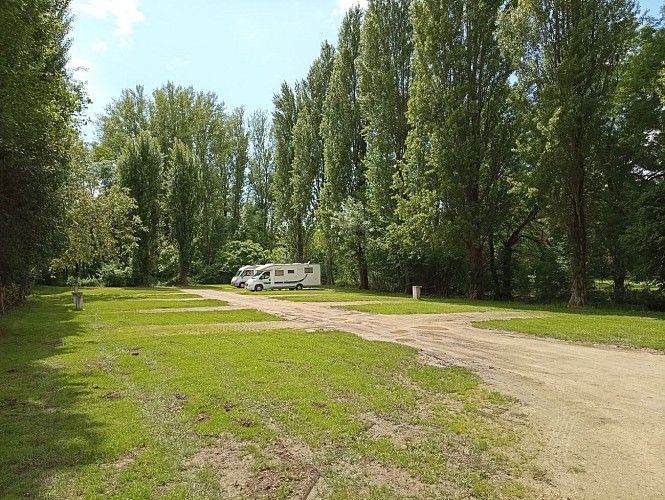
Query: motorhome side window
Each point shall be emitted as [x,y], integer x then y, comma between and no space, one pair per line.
[265,275]
[309,270]
[292,271]
[279,272]
[248,273]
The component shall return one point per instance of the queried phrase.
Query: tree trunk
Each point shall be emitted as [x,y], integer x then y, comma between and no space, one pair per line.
[300,244]
[362,268]
[507,273]
[330,280]
[493,273]
[578,235]
[184,273]
[619,289]
[474,255]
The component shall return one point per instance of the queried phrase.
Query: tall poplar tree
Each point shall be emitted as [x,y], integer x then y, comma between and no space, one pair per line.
[183,205]
[569,51]
[211,147]
[140,170]
[308,165]
[123,119]
[384,66]
[172,115]
[386,48]
[457,111]
[259,177]
[284,119]
[238,160]
[344,146]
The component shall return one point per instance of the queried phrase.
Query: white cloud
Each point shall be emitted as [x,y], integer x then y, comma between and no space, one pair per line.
[125,12]
[178,63]
[99,46]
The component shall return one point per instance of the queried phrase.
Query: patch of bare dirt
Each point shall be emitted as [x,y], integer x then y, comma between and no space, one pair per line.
[124,460]
[283,466]
[398,480]
[366,477]
[399,434]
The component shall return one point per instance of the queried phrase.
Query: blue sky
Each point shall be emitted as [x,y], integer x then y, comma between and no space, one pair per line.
[240,50]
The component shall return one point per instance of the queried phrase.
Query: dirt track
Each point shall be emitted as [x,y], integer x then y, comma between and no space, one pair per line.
[599,409]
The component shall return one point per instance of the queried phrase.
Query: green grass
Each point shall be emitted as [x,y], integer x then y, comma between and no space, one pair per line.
[589,324]
[592,325]
[98,407]
[424,306]
[321,294]
[337,295]
[161,303]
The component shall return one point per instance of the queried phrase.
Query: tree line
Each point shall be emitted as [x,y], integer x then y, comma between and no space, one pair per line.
[510,149]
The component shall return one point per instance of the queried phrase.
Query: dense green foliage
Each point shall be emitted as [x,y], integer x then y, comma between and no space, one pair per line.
[494,149]
[38,102]
[182,201]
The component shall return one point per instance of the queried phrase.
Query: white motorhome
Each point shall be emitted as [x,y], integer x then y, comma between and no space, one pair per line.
[292,276]
[243,275]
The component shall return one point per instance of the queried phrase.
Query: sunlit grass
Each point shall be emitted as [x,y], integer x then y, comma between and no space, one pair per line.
[338,295]
[95,404]
[319,294]
[422,306]
[604,327]
[151,303]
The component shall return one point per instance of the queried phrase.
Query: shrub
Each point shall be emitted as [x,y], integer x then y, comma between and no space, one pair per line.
[229,259]
[115,275]
[87,281]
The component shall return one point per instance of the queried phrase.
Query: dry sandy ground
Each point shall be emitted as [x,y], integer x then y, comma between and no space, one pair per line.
[599,411]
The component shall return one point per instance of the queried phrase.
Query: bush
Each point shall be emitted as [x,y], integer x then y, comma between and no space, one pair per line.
[229,259]
[87,281]
[166,265]
[114,275]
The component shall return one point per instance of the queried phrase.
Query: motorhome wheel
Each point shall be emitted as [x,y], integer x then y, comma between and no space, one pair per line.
[299,286]
[258,288]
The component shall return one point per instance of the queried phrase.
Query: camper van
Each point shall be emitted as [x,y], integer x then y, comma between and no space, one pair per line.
[292,276]
[242,276]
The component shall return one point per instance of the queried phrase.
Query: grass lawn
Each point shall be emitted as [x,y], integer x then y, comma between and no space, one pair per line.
[94,404]
[425,306]
[158,303]
[338,295]
[592,325]
[322,294]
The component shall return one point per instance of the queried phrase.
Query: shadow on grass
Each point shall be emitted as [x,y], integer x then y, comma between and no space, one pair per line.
[42,431]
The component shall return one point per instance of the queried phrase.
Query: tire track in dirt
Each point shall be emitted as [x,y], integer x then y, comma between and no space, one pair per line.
[599,411]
